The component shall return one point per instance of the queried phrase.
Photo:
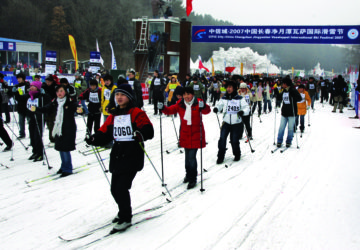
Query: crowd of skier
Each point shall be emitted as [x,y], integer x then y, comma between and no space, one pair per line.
[126,126]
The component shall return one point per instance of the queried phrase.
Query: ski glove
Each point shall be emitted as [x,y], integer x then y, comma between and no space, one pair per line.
[160,105]
[201,104]
[89,139]
[14,89]
[240,113]
[42,91]
[215,110]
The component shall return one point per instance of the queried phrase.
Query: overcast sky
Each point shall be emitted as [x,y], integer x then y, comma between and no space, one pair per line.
[281,12]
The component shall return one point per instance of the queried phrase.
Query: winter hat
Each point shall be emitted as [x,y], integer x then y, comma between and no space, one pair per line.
[1,75]
[64,80]
[77,74]
[108,77]
[188,90]
[301,86]
[179,91]
[126,90]
[21,75]
[231,83]
[287,81]
[243,85]
[122,80]
[37,84]
[93,82]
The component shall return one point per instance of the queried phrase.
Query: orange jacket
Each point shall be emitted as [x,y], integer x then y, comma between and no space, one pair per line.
[302,105]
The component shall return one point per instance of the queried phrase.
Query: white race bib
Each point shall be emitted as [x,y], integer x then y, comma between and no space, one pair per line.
[312,86]
[247,99]
[157,81]
[196,87]
[215,85]
[286,98]
[302,98]
[94,97]
[131,83]
[31,103]
[322,84]
[107,93]
[233,106]
[122,128]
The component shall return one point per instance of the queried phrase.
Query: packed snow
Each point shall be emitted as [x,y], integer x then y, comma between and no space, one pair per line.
[304,198]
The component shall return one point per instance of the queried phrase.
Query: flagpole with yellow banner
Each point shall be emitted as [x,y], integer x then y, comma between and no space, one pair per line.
[213,68]
[73,50]
[241,69]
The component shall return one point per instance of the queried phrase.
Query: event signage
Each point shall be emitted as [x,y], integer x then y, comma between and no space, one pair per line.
[94,62]
[50,62]
[7,46]
[277,34]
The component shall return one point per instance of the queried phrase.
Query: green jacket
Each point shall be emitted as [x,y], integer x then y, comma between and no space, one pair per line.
[199,89]
[80,86]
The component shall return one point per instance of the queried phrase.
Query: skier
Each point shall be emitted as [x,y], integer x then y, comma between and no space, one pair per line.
[93,96]
[340,89]
[3,133]
[235,107]
[64,130]
[312,90]
[215,90]
[267,97]
[22,89]
[106,91]
[199,89]
[257,92]
[80,86]
[278,94]
[158,87]
[302,105]
[69,89]
[137,89]
[129,127]
[5,98]
[49,86]
[192,133]
[36,97]
[290,97]
[246,94]
[170,88]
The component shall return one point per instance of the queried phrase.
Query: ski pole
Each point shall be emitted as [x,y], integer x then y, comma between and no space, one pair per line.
[309,118]
[247,135]
[13,107]
[13,134]
[98,156]
[297,144]
[40,135]
[201,160]
[43,125]
[175,129]
[218,120]
[157,173]
[160,106]
[275,124]
[12,137]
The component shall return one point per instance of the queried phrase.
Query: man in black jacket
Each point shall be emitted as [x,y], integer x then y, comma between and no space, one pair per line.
[3,133]
[49,88]
[290,97]
[340,89]
[157,86]
[136,87]
[22,88]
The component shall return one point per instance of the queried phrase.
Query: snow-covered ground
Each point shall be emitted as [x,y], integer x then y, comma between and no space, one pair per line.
[305,198]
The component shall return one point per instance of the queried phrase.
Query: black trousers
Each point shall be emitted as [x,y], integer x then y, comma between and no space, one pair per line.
[159,97]
[93,120]
[5,110]
[4,135]
[35,137]
[246,123]
[120,186]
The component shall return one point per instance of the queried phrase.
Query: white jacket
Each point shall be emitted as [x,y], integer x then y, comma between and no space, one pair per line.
[230,111]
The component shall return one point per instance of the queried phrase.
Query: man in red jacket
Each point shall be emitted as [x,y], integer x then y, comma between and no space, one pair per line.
[192,133]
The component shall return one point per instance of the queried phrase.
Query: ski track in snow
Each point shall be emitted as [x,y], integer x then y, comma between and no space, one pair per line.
[300,199]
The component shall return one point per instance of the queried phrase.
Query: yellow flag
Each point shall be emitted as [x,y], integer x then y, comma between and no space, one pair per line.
[242,69]
[73,50]
[212,63]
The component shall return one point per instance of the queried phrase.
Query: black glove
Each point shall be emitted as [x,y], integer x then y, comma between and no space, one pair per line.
[240,113]
[215,110]
[137,137]
[89,139]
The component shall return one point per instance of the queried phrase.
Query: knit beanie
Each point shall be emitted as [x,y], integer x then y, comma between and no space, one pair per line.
[126,90]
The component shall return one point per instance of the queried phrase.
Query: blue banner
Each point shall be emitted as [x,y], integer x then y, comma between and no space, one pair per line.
[277,34]
[356,106]
[7,46]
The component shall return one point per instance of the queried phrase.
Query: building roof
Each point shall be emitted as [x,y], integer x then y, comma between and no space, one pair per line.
[3,39]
